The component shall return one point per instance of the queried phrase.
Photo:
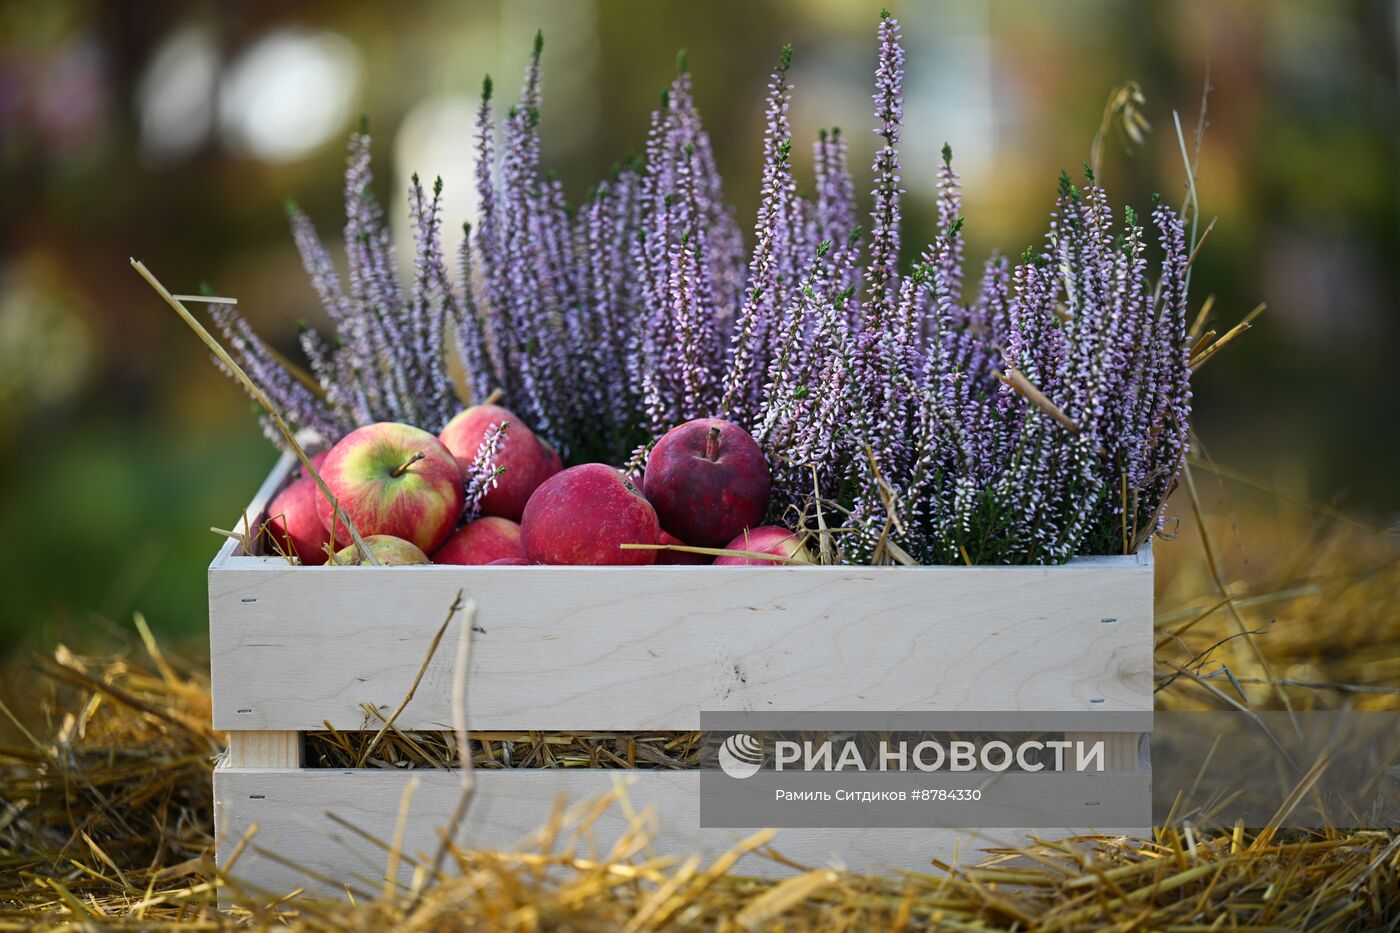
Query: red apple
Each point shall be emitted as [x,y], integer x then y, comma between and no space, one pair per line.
[388,550]
[294,523]
[394,479]
[581,515]
[527,460]
[509,562]
[482,542]
[766,539]
[679,557]
[708,481]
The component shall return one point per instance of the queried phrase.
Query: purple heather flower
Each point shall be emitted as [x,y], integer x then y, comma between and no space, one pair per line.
[432,303]
[771,274]
[609,295]
[496,335]
[882,273]
[835,213]
[373,281]
[949,214]
[523,299]
[472,341]
[295,402]
[1168,367]
[910,405]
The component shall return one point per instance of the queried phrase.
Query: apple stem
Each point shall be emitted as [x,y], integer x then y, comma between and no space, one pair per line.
[712,444]
[399,470]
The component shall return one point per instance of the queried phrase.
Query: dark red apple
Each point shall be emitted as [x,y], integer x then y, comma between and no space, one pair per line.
[581,515]
[766,539]
[510,562]
[394,479]
[527,461]
[483,541]
[708,481]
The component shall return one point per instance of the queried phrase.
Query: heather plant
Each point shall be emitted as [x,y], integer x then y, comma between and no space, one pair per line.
[1045,417]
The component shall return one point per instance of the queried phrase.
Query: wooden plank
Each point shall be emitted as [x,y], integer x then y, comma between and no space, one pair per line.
[290,807]
[264,749]
[1121,749]
[649,648]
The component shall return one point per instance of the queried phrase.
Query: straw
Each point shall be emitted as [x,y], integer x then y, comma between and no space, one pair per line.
[263,401]
[1023,386]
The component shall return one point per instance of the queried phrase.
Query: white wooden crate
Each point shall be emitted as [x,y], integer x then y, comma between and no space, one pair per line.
[635,649]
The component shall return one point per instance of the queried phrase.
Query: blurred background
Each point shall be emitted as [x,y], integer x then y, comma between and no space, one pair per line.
[174,132]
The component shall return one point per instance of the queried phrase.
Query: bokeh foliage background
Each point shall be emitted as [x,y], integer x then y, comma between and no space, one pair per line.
[174,132]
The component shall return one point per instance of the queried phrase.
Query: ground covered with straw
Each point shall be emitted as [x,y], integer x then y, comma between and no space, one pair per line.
[1264,599]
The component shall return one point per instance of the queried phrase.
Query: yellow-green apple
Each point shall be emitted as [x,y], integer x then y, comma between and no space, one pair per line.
[294,523]
[766,539]
[526,460]
[393,479]
[582,514]
[708,481]
[480,542]
[387,549]
[679,557]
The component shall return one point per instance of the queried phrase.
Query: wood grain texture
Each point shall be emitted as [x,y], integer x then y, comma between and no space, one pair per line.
[1122,750]
[650,647]
[263,749]
[290,810]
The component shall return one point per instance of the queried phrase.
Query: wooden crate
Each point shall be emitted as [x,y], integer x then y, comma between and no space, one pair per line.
[633,649]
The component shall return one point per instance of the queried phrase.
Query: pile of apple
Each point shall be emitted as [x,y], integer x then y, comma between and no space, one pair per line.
[706,484]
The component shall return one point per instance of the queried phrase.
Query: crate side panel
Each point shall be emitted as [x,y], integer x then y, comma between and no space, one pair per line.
[509,808]
[227,556]
[559,648]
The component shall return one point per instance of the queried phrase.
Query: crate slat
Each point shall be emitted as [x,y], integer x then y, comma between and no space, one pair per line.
[290,810]
[560,648]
